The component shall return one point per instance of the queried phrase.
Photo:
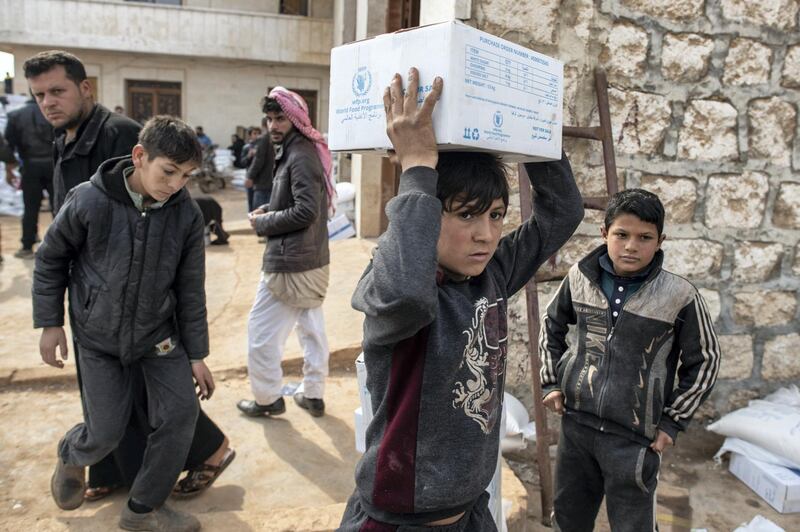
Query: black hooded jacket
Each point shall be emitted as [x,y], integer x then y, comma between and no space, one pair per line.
[134,278]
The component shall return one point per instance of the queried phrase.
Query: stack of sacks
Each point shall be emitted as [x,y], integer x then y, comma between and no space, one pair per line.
[238,179]
[764,438]
[223,160]
[346,200]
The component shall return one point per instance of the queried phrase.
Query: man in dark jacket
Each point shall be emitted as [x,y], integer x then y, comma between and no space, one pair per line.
[6,156]
[5,152]
[295,266]
[259,173]
[31,136]
[129,246]
[86,133]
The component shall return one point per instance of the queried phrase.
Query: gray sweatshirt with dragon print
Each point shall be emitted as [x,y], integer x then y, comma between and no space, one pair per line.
[435,348]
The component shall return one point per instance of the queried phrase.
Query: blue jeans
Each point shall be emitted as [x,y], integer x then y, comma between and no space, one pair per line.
[260,197]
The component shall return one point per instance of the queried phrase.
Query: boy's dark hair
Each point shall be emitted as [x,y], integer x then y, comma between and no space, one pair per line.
[47,61]
[170,137]
[471,178]
[639,202]
[270,105]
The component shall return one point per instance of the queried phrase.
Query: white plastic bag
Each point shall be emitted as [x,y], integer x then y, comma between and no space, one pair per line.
[736,445]
[519,429]
[772,423]
[759,524]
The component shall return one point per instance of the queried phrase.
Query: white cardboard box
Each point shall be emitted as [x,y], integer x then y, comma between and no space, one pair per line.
[361,430]
[779,486]
[363,392]
[498,96]
[340,228]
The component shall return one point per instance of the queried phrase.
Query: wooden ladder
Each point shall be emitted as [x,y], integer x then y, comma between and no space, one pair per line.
[603,134]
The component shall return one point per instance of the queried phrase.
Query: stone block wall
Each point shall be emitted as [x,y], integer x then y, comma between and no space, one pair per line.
[704,99]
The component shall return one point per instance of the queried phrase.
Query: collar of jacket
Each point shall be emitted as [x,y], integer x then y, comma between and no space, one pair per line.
[87,133]
[110,179]
[590,264]
[290,138]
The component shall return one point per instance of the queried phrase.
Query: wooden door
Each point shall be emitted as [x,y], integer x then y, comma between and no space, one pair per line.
[149,98]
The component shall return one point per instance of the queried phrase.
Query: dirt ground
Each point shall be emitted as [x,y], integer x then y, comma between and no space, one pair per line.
[283,464]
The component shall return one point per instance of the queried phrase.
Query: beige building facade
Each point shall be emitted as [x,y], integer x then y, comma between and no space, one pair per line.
[208,61]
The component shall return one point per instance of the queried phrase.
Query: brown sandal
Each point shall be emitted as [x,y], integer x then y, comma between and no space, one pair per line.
[201,477]
[100,492]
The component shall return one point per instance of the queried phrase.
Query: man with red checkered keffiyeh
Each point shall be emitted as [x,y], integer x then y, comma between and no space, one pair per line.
[295,270]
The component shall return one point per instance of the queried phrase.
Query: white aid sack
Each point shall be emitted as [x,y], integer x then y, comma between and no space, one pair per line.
[759,524]
[736,445]
[519,429]
[772,423]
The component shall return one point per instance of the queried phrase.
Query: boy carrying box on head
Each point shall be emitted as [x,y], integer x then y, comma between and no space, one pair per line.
[129,246]
[435,299]
[646,356]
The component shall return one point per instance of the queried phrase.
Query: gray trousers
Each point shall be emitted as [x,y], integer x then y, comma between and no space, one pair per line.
[476,519]
[590,464]
[108,396]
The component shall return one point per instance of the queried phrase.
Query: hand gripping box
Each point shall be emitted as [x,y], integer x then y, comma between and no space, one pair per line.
[498,96]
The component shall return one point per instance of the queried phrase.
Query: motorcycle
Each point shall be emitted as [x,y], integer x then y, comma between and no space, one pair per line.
[208,177]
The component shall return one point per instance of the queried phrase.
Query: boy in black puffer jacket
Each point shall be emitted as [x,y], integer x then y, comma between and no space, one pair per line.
[129,246]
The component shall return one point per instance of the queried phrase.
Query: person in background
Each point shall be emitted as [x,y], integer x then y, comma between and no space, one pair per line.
[259,173]
[248,150]
[31,136]
[237,143]
[204,140]
[6,156]
[295,269]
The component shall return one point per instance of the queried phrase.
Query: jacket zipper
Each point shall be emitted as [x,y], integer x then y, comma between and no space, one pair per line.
[601,400]
[139,289]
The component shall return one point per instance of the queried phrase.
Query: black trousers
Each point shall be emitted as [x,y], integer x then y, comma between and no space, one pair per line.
[591,464]
[250,194]
[37,176]
[121,466]
[108,395]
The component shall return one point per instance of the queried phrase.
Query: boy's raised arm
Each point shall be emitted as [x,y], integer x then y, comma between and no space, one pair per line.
[557,212]
[397,292]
